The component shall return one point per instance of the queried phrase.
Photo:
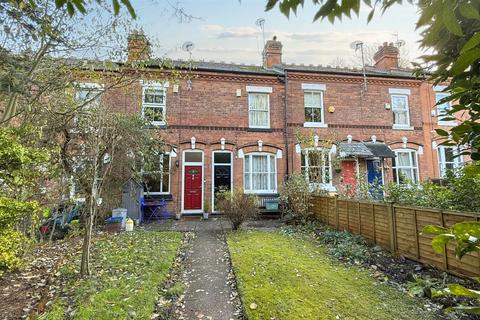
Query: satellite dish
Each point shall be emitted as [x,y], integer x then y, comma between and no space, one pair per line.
[260,22]
[188,46]
[400,43]
[355,45]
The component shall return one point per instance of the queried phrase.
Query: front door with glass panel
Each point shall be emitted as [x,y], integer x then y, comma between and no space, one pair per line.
[222,174]
[193,181]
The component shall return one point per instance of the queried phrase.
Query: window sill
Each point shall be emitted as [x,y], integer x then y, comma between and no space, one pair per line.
[397,127]
[252,129]
[315,125]
[262,193]
[447,123]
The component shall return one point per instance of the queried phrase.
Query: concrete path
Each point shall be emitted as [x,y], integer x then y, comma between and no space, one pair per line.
[210,287]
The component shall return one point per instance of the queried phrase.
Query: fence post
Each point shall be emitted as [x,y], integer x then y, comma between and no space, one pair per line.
[391,226]
[336,211]
[445,257]
[359,219]
[417,244]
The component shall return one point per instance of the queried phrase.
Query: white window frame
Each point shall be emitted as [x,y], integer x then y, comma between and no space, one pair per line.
[442,163]
[406,126]
[163,106]
[267,126]
[314,124]
[439,121]
[250,172]
[314,185]
[213,173]
[396,167]
[161,159]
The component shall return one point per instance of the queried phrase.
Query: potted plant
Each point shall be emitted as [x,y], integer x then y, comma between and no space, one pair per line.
[206,209]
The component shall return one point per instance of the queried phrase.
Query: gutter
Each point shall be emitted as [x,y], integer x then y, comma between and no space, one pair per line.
[285,108]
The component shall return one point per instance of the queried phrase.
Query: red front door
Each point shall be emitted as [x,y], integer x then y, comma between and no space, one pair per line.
[193,188]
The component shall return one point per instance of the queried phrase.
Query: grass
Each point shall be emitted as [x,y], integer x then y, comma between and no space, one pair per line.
[127,270]
[290,278]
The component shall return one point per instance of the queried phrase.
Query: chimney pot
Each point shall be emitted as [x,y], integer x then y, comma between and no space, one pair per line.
[272,53]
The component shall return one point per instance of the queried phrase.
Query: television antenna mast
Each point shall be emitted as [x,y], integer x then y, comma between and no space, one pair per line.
[358,45]
[188,47]
[260,22]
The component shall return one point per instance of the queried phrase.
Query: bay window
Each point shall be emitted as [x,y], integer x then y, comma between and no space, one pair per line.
[317,166]
[156,177]
[448,159]
[260,173]
[405,166]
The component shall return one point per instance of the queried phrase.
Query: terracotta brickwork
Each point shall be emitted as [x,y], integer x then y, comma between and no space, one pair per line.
[214,106]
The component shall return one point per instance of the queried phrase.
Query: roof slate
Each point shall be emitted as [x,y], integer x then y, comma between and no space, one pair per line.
[380,150]
[354,149]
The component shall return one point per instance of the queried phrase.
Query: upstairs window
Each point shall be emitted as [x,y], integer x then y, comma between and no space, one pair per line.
[448,159]
[442,110]
[153,104]
[313,103]
[401,114]
[258,110]
[88,95]
[156,177]
[260,173]
[405,166]
[316,166]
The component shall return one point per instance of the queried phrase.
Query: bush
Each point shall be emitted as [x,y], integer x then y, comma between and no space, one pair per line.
[295,197]
[345,245]
[237,207]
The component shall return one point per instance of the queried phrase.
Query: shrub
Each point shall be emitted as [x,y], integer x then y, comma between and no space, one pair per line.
[237,207]
[295,197]
[345,245]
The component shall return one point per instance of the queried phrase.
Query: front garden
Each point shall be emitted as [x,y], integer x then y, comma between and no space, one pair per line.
[287,277]
[128,270]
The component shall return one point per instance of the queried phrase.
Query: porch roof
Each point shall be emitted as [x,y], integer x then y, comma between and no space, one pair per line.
[380,150]
[354,149]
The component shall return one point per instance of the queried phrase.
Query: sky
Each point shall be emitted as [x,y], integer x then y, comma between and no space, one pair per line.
[225,30]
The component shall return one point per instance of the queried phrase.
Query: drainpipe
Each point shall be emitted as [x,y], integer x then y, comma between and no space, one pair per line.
[285,129]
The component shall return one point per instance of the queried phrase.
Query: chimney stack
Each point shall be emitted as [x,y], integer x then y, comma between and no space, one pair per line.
[138,47]
[272,53]
[386,58]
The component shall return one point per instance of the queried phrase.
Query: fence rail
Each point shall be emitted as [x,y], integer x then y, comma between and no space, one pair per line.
[397,228]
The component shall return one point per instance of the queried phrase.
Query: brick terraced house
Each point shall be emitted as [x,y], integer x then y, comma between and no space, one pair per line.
[235,126]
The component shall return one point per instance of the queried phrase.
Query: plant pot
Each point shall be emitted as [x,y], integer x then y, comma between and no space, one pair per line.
[205,215]
[178,216]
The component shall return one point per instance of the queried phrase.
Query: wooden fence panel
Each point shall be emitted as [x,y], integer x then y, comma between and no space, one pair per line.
[398,229]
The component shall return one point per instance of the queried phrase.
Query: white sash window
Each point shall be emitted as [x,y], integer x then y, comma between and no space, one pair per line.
[260,173]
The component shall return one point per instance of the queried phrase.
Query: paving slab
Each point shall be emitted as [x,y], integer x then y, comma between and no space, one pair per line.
[210,285]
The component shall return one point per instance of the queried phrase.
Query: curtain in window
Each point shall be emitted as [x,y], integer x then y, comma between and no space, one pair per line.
[313,106]
[400,110]
[258,110]
[405,167]
[260,173]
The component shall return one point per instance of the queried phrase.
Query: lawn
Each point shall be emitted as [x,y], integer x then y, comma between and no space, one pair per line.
[282,277]
[127,270]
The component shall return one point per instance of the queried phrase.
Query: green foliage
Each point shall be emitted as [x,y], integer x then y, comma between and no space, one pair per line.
[460,190]
[73,6]
[467,239]
[74,229]
[237,207]
[450,29]
[289,277]
[295,197]
[345,245]
[14,242]
[422,286]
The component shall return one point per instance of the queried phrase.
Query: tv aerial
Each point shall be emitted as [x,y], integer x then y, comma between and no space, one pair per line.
[260,22]
[358,45]
[188,47]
